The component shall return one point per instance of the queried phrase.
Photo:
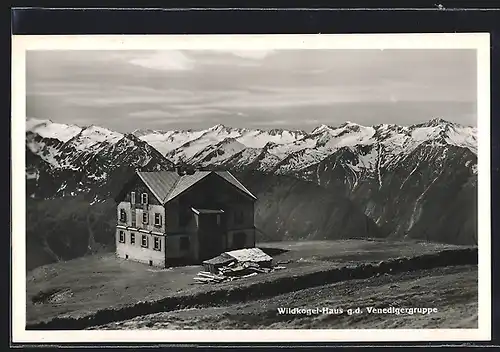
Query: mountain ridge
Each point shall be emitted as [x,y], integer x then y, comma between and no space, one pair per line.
[417,181]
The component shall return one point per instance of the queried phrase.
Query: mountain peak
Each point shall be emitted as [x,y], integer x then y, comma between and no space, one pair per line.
[217,127]
[437,121]
[322,128]
[141,132]
[350,124]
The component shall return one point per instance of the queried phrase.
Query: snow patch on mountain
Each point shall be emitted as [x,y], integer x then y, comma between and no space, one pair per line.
[94,135]
[168,141]
[422,134]
[218,152]
[258,138]
[463,137]
[49,129]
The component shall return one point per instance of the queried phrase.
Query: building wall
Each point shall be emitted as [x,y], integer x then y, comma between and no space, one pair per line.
[153,206]
[249,238]
[172,217]
[135,251]
[151,211]
[139,187]
[212,193]
[124,206]
[247,210]
[138,253]
[174,250]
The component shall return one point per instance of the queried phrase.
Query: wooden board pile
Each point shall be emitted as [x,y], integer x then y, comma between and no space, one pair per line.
[235,265]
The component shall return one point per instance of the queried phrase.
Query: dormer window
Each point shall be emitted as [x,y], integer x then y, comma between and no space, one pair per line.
[123,215]
[144,198]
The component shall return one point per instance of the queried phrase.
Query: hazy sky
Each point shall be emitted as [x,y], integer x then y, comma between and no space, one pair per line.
[300,89]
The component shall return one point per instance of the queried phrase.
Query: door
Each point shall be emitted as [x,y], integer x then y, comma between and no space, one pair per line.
[211,232]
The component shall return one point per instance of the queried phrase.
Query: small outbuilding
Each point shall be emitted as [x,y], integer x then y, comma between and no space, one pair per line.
[240,256]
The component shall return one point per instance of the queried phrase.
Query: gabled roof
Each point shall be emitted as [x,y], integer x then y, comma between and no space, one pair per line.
[184,182]
[160,183]
[167,185]
[226,175]
[250,255]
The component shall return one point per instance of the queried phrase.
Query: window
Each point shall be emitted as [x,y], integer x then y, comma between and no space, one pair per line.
[144,242]
[157,219]
[218,219]
[132,238]
[123,215]
[144,198]
[239,239]
[132,197]
[122,237]
[238,217]
[145,218]
[184,243]
[157,244]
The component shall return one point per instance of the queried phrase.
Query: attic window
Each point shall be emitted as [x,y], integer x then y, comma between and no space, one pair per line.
[144,198]
[123,215]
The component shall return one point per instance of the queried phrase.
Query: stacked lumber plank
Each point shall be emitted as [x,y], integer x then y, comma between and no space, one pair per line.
[233,271]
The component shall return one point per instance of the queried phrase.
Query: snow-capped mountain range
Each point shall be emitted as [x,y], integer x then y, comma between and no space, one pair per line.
[286,151]
[73,160]
[276,150]
[416,181]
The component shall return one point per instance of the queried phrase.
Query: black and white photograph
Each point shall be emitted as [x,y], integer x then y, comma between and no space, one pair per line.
[251,186]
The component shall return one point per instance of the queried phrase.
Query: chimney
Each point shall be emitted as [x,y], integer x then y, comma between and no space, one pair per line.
[180,170]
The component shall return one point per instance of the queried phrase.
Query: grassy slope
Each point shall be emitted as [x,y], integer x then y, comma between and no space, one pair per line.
[452,290]
[102,281]
[63,229]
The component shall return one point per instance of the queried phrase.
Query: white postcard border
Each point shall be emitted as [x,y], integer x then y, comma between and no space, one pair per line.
[20,44]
